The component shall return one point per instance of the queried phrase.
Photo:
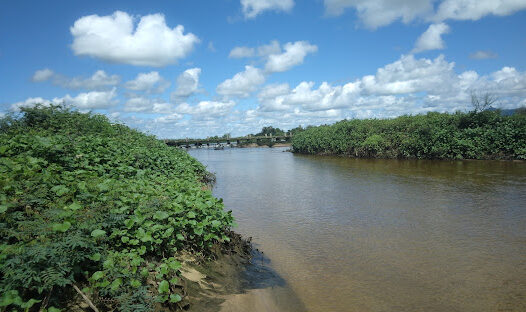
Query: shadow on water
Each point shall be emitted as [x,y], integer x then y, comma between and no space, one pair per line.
[259,274]
[262,289]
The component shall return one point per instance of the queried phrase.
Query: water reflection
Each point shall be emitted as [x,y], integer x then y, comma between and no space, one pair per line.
[382,235]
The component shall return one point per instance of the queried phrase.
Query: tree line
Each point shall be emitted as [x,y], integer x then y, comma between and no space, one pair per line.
[486,134]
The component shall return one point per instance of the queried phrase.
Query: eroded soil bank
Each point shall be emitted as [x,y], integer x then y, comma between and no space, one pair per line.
[239,279]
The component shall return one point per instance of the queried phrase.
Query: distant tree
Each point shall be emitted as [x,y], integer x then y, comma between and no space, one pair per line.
[481,101]
[270,131]
[521,110]
[296,130]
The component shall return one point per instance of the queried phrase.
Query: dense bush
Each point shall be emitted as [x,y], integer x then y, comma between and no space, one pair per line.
[482,135]
[89,203]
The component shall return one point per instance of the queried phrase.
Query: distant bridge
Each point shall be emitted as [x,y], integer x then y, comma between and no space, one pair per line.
[210,142]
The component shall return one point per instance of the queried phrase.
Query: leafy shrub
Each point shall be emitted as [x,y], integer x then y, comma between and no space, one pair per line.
[482,135]
[87,202]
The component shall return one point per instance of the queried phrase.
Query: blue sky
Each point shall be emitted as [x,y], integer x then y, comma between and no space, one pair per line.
[239,65]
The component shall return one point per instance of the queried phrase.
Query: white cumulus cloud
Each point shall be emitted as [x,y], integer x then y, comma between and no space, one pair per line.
[83,101]
[476,9]
[262,51]
[42,75]
[267,49]
[242,52]
[187,84]
[151,82]
[205,109]
[431,39]
[115,38]
[168,119]
[243,83]
[96,81]
[92,100]
[147,105]
[378,13]
[294,55]
[99,80]
[252,8]
[406,86]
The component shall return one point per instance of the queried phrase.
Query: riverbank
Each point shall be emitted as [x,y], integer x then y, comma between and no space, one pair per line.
[253,145]
[237,280]
[95,213]
[474,135]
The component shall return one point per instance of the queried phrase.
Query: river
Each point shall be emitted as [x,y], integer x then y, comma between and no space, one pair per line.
[381,235]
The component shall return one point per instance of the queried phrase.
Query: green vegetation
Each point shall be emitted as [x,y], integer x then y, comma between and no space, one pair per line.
[473,135]
[270,131]
[99,207]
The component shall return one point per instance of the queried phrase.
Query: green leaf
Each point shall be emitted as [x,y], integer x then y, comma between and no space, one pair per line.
[161,215]
[75,206]
[27,305]
[116,284]
[129,223]
[103,187]
[98,233]
[164,287]
[3,208]
[53,309]
[125,239]
[95,257]
[108,263]
[147,237]
[191,215]
[97,275]
[145,272]
[10,297]
[135,283]
[61,227]
[198,231]
[168,232]
[180,237]
[60,190]
[174,298]
[174,265]
[216,223]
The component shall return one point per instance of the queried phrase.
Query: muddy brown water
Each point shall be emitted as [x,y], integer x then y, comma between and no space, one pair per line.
[381,235]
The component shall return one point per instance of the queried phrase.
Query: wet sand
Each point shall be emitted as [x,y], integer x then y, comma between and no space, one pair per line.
[241,281]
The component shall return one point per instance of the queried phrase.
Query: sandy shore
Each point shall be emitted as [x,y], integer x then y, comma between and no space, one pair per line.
[239,280]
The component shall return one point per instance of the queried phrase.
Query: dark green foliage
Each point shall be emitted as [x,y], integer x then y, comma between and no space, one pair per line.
[270,131]
[483,135]
[296,130]
[87,202]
